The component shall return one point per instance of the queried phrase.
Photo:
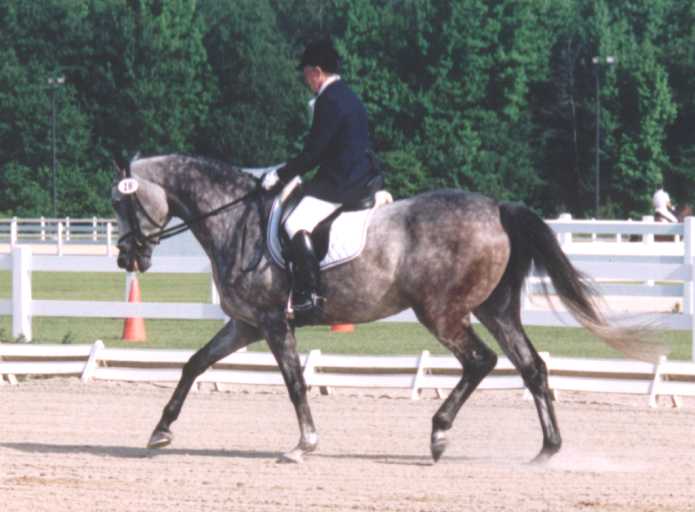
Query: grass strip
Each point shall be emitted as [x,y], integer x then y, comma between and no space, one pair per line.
[375,338]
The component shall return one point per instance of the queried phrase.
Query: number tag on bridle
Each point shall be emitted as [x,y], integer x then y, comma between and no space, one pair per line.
[128,186]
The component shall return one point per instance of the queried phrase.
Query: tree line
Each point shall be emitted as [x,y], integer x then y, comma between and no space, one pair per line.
[494,96]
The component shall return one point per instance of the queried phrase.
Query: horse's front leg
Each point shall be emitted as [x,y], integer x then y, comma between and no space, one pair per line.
[284,347]
[233,336]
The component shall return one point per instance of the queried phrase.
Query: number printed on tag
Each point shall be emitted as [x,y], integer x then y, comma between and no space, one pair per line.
[128,186]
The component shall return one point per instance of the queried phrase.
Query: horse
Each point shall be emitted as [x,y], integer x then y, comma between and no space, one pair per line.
[447,254]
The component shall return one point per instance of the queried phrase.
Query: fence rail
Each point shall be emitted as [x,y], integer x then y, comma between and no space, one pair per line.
[92,229]
[415,373]
[52,233]
[645,270]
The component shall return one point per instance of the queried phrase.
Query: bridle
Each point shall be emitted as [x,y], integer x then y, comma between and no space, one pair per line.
[141,239]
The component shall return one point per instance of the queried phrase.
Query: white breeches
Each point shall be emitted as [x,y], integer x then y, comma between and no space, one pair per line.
[308,213]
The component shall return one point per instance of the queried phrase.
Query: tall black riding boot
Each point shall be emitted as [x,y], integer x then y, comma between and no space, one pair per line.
[306,298]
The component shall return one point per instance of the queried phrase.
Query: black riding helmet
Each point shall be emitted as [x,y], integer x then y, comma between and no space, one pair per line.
[321,53]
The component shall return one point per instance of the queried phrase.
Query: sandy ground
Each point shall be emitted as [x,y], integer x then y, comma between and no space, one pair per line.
[68,446]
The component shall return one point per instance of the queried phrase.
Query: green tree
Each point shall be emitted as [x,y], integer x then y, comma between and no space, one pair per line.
[259,109]
[171,87]
[678,57]
[644,108]
[28,61]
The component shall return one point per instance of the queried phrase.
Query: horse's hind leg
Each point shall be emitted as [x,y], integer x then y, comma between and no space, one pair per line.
[477,361]
[501,315]
[233,336]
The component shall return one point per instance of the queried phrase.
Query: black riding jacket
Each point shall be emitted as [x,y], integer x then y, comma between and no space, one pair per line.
[339,144]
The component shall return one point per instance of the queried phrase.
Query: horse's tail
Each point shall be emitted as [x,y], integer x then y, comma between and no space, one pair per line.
[532,241]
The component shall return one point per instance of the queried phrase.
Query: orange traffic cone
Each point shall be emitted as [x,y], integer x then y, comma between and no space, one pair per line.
[342,328]
[134,328]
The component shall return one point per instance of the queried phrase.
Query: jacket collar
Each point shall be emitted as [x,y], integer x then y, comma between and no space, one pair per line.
[331,79]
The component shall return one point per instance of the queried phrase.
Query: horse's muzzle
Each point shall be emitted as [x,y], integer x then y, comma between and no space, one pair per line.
[133,260]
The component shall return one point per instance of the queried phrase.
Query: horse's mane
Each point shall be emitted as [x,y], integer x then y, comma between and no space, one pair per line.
[217,171]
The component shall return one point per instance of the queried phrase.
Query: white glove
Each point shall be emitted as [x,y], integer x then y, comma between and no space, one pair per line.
[270,179]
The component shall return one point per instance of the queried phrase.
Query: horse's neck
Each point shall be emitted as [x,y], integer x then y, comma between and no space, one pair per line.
[217,234]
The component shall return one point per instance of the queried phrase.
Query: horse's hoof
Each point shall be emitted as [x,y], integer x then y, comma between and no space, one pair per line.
[438,444]
[544,456]
[160,439]
[294,457]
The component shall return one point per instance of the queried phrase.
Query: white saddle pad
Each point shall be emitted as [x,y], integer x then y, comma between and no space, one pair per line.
[347,237]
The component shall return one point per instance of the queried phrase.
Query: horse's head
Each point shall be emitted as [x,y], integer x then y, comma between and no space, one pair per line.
[142,211]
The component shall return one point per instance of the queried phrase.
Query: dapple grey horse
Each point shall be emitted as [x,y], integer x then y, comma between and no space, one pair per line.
[446,254]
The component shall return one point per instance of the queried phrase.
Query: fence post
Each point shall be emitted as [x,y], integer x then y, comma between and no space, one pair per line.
[565,238]
[21,292]
[648,239]
[94,229]
[60,238]
[593,233]
[13,232]
[92,361]
[109,239]
[309,370]
[420,371]
[654,387]
[43,228]
[688,289]
[619,236]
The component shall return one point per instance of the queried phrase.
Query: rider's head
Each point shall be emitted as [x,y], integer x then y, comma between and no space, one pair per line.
[319,61]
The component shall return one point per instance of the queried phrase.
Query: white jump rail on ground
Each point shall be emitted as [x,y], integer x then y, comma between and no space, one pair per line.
[415,373]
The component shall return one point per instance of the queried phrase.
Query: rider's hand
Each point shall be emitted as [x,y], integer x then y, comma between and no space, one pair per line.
[270,180]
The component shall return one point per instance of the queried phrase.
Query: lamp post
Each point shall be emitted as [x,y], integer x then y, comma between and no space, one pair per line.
[597,187]
[53,84]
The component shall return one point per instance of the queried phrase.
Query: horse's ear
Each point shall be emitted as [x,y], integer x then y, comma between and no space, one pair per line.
[120,166]
[119,172]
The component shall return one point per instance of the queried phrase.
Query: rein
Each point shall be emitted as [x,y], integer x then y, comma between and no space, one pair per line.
[141,238]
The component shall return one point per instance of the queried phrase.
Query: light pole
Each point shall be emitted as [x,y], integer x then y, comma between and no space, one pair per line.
[53,84]
[597,187]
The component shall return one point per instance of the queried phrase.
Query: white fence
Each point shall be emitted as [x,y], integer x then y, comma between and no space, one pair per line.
[415,373]
[646,270]
[57,233]
[22,307]
[649,271]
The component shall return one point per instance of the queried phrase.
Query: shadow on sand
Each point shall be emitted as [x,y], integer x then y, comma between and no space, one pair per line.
[130,452]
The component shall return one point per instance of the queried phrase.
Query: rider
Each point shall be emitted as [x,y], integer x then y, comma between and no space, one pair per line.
[338,142]
[663,210]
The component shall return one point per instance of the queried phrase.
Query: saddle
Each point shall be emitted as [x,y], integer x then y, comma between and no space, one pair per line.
[337,239]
